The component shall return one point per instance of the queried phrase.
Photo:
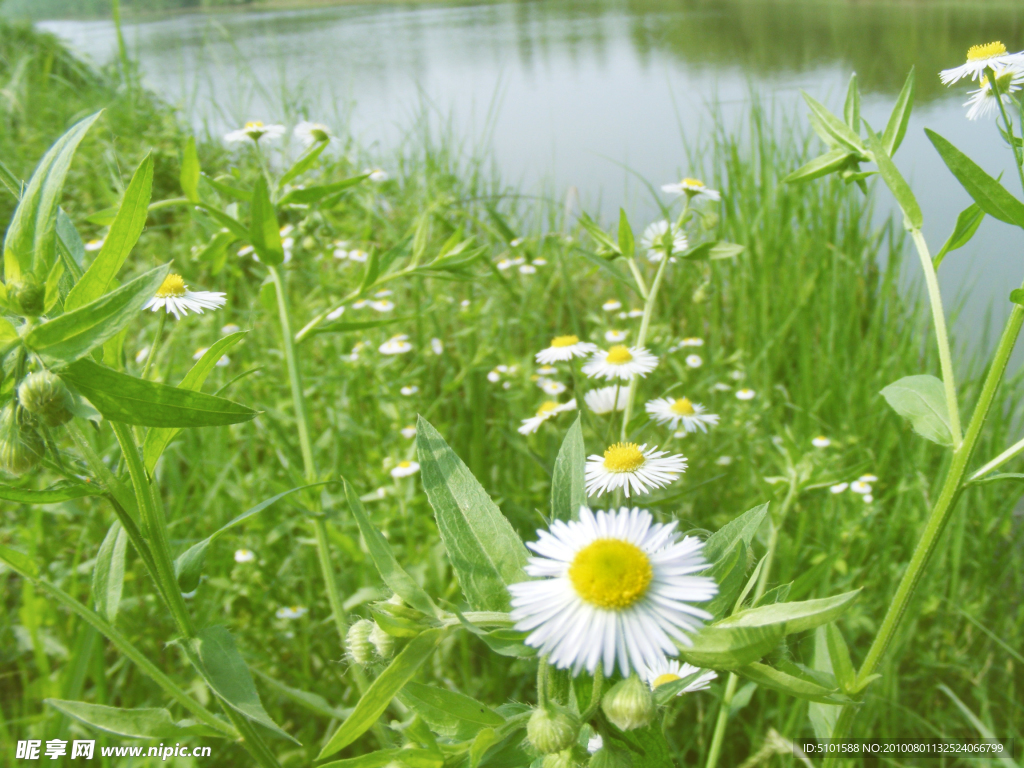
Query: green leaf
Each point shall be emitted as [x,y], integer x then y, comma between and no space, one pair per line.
[377,697]
[606,246]
[922,400]
[894,180]
[832,130]
[303,164]
[742,528]
[793,617]
[414,758]
[823,717]
[108,573]
[482,742]
[132,723]
[983,730]
[157,439]
[401,583]
[123,235]
[665,692]
[820,166]
[730,574]
[482,546]
[74,334]
[611,269]
[967,224]
[312,701]
[568,482]
[448,713]
[627,245]
[896,128]
[62,491]
[228,190]
[189,176]
[216,658]
[8,332]
[801,688]
[988,193]
[650,742]
[70,242]
[230,223]
[839,655]
[851,108]
[123,398]
[31,241]
[308,195]
[265,233]
[19,562]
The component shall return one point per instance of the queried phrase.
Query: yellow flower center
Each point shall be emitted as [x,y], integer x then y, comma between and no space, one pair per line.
[668,677]
[404,464]
[692,183]
[611,573]
[253,124]
[548,407]
[618,355]
[623,457]
[172,287]
[564,341]
[987,51]
[683,406]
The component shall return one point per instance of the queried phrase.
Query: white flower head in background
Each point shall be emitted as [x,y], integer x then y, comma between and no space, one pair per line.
[980,58]
[681,411]
[838,488]
[595,743]
[408,432]
[620,362]
[691,341]
[611,305]
[565,348]
[312,133]
[868,478]
[396,345]
[230,328]
[553,388]
[724,461]
[358,255]
[615,589]
[378,175]
[614,337]
[292,612]
[405,469]
[244,555]
[821,442]
[255,130]
[334,314]
[694,361]
[692,188]
[666,671]
[983,102]
[382,305]
[607,399]
[410,390]
[633,468]
[94,245]
[547,411]
[861,487]
[141,355]
[653,240]
[745,394]
[175,297]
[436,346]
[527,269]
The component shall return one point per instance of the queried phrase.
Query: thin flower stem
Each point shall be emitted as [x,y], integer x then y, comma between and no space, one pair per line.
[723,718]
[998,461]
[595,693]
[1018,152]
[156,343]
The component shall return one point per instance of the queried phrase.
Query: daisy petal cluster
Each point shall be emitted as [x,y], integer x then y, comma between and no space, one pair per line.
[633,468]
[548,410]
[980,58]
[615,589]
[983,102]
[255,130]
[176,299]
[405,469]
[862,486]
[668,671]
[396,345]
[564,348]
[312,133]
[653,241]
[676,412]
[692,188]
[607,399]
[620,362]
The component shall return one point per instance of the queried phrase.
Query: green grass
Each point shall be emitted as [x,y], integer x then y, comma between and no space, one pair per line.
[813,316]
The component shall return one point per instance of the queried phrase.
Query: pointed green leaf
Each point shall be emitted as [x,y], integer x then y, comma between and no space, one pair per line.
[627,246]
[922,400]
[967,224]
[62,491]
[820,166]
[189,177]
[742,528]
[894,180]
[433,703]
[315,194]
[19,562]
[777,680]
[836,132]
[303,164]
[851,108]
[568,481]
[793,617]
[730,574]
[896,128]
[228,190]
[605,245]
[413,758]
[108,573]
[839,654]
[8,332]
[265,232]
[823,717]
[132,723]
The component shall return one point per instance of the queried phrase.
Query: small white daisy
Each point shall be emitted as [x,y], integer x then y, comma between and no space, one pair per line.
[334,314]
[692,188]
[408,432]
[614,337]
[464,304]
[383,294]
[494,377]
[983,101]
[694,361]
[378,175]
[720,386]
[565,348]
[547,411]
[868,498]
[838,488]
[544,370]
[979,58]
[141,355]
[175,297]
[292,612]
[614,588]
[595,743]
[539,262]
[607,399]
[358,255]
[635,313]
[611,305]
[527,269]
[821,442]
[691,341]
[340,254]
[382,306]
[94,245]
[396,345]
[247,250]
[436,346]
[868,478]
[244,555]
[359,304]
[859,486]
[255,130]
[736,375]
[230,328]
[405,468]
[312,133]
[724,461]
[620,362]
[653,241]
[676,411]
[633,468]
[745,394]
[664,671]
[505,264]
[553,388]
[409,391]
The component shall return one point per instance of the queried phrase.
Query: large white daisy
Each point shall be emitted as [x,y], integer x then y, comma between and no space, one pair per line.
[620,362]
[613,588]
[675,411]
[548,410]
[653,240]
[607,399]
[175,297]
[666,671]
[632,467]
[980,58]
[692,188]
[983,102]
[312,133]
[565,348]
[255,130]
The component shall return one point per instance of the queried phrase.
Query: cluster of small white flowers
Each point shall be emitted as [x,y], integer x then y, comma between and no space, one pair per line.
[863,486]
[983,63]
[307,132]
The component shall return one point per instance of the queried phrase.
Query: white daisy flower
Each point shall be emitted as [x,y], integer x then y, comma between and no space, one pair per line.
[255,130]
[405,468]
[868,498]
[544,370]
[620,362]
[230,328]
[527,269]
[838,488]
[464,303]
[359,304]
[396,345]
[516,242]
[633,468]
[334,314]
[821,442]
[653,240]
[737,375]
[378,175]
[383,294]
[868,478]
[979,58]
[539,261]
[615,336]
[745,394]
[244,555]
[340,253]
[547,411]
[436,346]
[292,612]
[94,245]
[723,461]
[635,313]
[382,306]
[505,264]
[408,432]
[358,255]
[141,355]
[553,388]
[607,399]
[692,341]
[983,101]
[614,588]
[565,348]
[720,386]
[691,188]
[595,743]
[611,305]
[312,133]
[694,361]
[665,671]
[675,411]
[409,391]
[175,297]
[859,486]
[247,250]
[494,377]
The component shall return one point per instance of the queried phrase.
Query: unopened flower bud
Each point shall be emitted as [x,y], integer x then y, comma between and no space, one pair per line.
[358,642]
[629,704]
[21,447]
[382,642]
[567,758]
[610,757]
[552,729]
[26,297]
[45,395]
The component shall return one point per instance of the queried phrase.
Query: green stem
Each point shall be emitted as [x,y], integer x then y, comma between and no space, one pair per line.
[161,323]
[998,461]
[122,49]
[1018,152]
[723,718]
[595,693]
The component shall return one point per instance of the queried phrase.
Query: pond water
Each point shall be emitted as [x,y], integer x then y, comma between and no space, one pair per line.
[597,94]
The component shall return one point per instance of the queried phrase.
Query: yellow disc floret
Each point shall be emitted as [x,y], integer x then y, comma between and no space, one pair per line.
[683,407]
[564,341]
[172,286]
[688,182]
[253,124]
[611,573]
[548,407]
[668,677]
[404,464]
[618,355]
[987,51]
[623,457]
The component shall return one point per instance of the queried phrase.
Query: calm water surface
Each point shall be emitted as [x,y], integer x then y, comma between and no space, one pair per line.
[596,95]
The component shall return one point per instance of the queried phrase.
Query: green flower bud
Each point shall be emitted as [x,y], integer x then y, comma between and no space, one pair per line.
[45,395]
[358,642]
[21,447]
[629,704]
[26,297]
[552,729]
[567,758]
[610,757]
[382,641]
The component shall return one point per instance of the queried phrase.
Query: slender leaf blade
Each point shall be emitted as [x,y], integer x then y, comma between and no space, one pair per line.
[108,572]
[922,401]
[568,481]
[132,723]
